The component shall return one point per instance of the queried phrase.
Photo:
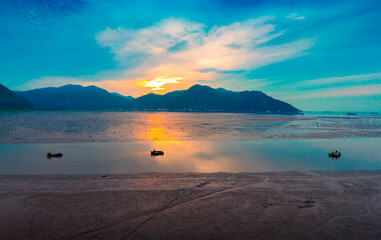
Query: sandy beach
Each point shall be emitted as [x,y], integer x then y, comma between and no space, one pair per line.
[289,205]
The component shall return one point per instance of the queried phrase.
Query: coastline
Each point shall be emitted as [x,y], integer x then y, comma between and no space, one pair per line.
[276,205]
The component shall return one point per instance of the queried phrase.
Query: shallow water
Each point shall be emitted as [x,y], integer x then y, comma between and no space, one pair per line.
[119,142]
[191,156]
[68,127]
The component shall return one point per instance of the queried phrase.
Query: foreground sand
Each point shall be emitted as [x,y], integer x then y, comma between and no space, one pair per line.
[292,205]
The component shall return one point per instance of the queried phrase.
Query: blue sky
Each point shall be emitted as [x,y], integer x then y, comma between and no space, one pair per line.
[316,55]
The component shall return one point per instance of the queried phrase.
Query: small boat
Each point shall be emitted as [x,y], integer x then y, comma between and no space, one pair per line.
[54,155]
[351,114]
[334,155]
[156,153]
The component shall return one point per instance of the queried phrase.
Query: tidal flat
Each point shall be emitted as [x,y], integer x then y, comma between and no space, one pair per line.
[287,205]
[69,127]
[223,176]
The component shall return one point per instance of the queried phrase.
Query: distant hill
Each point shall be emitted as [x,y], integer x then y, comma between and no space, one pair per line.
[11,101]
[74,97]
[205,98]
[197,98]
[120,95]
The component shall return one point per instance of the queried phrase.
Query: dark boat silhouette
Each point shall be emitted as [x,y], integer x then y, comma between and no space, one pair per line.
[156,153]
[351,113]
[334,155]
[54,155]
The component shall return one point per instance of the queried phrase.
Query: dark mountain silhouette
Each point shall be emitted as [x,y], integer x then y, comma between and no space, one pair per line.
[205,98]
[11,101]
[120,95]
[197,98]
[74,97]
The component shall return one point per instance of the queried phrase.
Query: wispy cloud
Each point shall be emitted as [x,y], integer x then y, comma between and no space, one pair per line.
[295,16]
[178,48]
[367,90]
[340,80]
[177,53]
[333,87]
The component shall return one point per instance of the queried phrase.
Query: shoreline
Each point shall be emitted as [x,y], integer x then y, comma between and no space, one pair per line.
[272,205]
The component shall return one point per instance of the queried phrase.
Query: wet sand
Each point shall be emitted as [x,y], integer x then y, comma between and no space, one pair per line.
[75,127]
[289,205]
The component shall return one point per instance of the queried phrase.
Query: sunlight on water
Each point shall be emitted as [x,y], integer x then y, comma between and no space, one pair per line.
[60,127]
[191,156]
[180,151]
[191,142]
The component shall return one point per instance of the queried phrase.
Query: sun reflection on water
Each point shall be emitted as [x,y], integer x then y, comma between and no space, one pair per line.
[198,156]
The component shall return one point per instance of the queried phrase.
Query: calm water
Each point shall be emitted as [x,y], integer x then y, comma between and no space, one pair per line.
[191,156]
[69,127]
[119,142]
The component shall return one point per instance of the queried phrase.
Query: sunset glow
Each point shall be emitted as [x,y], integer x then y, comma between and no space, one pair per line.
[170,119]
[236,45]
[157,85]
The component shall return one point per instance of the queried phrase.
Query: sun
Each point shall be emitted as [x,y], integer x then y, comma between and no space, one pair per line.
[157,84]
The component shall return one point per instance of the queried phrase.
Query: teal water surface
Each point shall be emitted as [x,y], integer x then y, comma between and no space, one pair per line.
[192,156]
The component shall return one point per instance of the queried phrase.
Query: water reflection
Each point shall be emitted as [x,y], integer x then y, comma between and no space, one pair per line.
[196,156]
[59,127]
[191,156]
[171,132]
[161,128]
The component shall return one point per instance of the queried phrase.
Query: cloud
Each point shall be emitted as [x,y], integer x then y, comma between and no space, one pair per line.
[334,87]
[154,40]
[354,91]
[177,53]
[179,48]
[295,16]
[340,80]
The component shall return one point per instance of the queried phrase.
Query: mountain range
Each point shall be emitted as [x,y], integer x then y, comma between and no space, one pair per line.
[74,97]
[11,101]
[206,99]
[197,98]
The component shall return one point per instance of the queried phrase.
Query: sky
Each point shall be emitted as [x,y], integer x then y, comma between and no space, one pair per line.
[317,55]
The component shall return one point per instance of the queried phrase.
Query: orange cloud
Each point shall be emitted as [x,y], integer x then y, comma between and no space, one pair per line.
[178,47]
[175,53]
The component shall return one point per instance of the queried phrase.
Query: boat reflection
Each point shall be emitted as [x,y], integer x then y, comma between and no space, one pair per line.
[192,156]
[182,155]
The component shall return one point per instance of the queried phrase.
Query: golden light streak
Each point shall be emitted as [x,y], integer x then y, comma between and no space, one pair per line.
[157,84]
[166,139]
